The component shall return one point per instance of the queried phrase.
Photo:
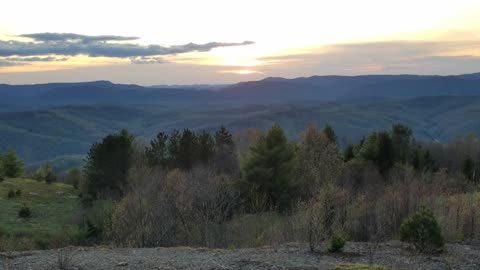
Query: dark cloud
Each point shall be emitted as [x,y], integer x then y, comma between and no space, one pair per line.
[97,46]
[57,37]
[148,60]
[36,59]
[4,63]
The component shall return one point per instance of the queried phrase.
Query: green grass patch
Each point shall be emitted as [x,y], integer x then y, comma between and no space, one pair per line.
[52,208]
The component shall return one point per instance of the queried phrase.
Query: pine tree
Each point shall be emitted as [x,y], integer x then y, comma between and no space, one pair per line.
[268,169]
[401,139]
[223,137]
[157,153]
[188,149]
[349,153]
[12,166]
[173,148]
[378,148]
[330,133]
[206,147]
[225,157]
[107,165]
[468,169]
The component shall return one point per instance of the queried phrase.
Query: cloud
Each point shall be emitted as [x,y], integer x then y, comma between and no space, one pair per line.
[62,37]
[36,59]
[4,63]
[393,57]
[148,60]
[68,44]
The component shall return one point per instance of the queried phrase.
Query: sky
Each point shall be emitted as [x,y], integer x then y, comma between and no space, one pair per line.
[227,41]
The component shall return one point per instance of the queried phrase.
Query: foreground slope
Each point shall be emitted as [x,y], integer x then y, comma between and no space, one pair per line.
[391,256]
[52,207]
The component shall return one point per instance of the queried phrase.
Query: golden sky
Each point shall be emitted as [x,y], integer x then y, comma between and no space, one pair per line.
[289,39]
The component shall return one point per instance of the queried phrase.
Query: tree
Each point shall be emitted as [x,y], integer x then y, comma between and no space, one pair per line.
[468,169]
[45,173]
[322,216]
[401,139]
[378,148]
[318,161]
[206,147]
[74,177]
[349,153]
[173,148]
[188,149]
[50,176]
[157,153]
[330,133]
[225,156]
[107,165]
[12,165]
[223,137]
[421,159]
[422,230]
[268,170]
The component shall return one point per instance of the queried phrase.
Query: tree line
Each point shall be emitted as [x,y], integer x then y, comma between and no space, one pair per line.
[187,187]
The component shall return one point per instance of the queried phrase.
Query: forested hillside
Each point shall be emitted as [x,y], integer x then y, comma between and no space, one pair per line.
[69,130]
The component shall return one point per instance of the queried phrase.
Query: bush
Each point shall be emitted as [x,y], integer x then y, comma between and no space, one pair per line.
[18,193]
[423,231]
[24,212]
[336,244]
[50,177]
[11,194]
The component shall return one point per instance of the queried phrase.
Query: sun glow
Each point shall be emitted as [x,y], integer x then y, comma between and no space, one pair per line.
[278,28]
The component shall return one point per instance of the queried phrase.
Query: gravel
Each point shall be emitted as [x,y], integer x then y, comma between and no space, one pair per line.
[391,255]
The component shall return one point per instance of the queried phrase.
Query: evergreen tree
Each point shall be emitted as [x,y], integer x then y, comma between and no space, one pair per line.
[223,137]
[206,147]
[107,165]
[401,140]
[468,168]
[188,149]
[330,133]
[157,153]
[349,153]
[378,148]
[268,169]
[421,160]
[12,166]
[225,157]
[173,148]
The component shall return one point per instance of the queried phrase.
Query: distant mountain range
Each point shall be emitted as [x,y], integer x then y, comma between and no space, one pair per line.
[266,91]
[60,121]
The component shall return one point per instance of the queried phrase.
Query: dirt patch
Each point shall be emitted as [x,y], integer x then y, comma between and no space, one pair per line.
[357,256]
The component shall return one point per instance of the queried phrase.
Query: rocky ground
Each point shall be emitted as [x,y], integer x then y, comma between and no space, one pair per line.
[392,255]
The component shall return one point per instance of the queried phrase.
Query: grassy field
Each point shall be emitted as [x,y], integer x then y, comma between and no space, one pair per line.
[52,207]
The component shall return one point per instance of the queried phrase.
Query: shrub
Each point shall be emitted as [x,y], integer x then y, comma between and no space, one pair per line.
[24,212]
[18,193]
[12,165]
[336,244]
[50,177]
[11,194]
[423,231]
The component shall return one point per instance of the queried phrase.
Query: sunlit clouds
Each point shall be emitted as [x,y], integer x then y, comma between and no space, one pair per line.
[216,41]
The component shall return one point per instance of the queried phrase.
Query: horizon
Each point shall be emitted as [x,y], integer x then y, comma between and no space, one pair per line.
[261,79]
[186,42]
